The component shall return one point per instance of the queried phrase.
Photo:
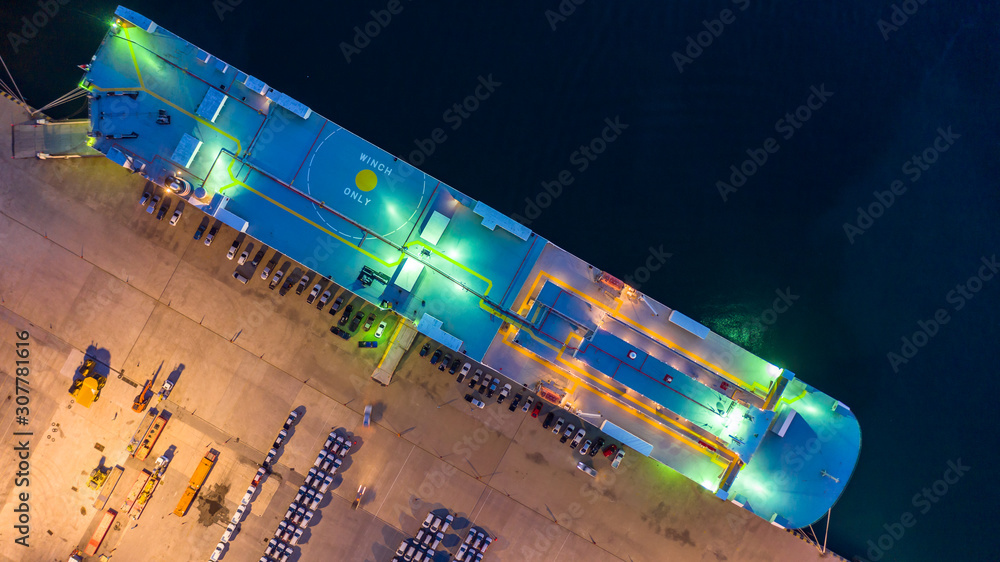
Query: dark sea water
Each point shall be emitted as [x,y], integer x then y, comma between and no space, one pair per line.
[655,186]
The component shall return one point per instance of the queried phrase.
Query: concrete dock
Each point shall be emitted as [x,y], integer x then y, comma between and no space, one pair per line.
[87,271]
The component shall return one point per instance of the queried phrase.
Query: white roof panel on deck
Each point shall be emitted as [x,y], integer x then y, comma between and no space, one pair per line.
[212,104]
[186,150]
[434,228]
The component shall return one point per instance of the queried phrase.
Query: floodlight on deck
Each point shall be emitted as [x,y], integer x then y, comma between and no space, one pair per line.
[774,370]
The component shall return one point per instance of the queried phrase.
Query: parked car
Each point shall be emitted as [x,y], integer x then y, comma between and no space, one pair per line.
[199,232]
[464,372]
[514,402]
[211,235]
[527,404]
[548,419]
[475,378]
[586,447]
[569,431]
[145,197]
[233,249]
[257,257]
[610,450]
[454,366]
[368,343]
[303,281]
[559,425]
[278,441]
[478,403]
[504,393]
[597,446]
[340,332]
[425,350]
[153,204]
[536,410]
[369,322]
[436,357]
[267,269]
[336,305]
[590,471]
[356,321]
[486,384]
[276,279]
[380,329]
[368,416]
[445,362]
[163,210]
[346,316]
[314,293]
[618,458]
[493,387]
[322,300]
[258,477]
[577,438]
[176,217]
[228,533]
[243,257]
[217,552]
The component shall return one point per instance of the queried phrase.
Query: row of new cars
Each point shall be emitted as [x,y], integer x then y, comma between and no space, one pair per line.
[308,498]
[164,208]
[422,547]
[261,475]
[475,545]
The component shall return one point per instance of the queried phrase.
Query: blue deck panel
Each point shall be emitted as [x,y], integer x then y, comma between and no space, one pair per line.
[336,204]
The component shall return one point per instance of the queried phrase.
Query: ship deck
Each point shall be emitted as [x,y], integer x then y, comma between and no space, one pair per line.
[401,239]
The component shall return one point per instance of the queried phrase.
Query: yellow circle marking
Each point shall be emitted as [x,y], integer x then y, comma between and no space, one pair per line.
[366,180]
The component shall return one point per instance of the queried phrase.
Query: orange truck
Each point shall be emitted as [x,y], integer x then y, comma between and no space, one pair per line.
[102,531]
[197,479]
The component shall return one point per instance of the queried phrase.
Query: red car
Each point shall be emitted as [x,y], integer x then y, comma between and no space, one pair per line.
[538,408]
[610,450]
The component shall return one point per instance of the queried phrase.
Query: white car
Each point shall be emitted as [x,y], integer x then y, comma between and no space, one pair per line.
[587,469]
[380,329]
[618,459]
[577,438]
[320,459]
[447,522]
[238,516]
[266,272]
[218,551]
[326,483]
[306,518]
[270,456]
[478,403]
[313,293]
[176,217]
[152,204]
[586,447]
[296,536]
[229,533]
[278,441]
[233,249]
[243,257]
[527,404]
[249,495]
